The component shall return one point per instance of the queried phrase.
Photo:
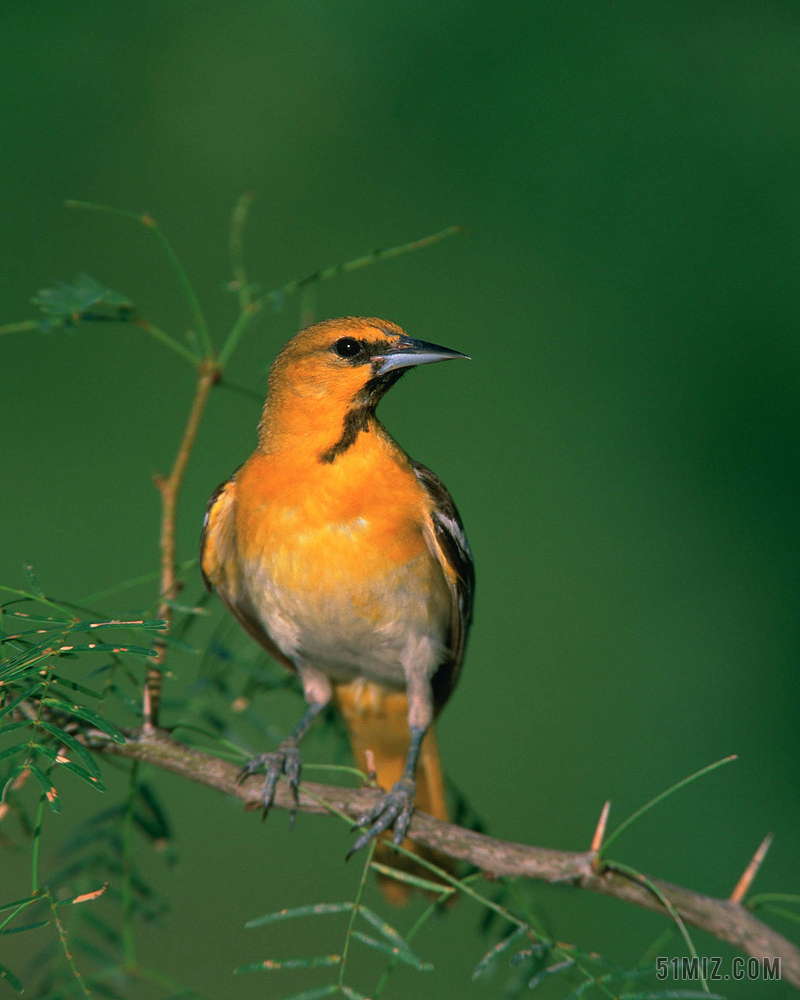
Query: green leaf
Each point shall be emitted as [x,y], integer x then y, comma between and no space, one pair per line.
[99,827]
[400,876]
[580,989]
[20,902]
[136,581]
[11,979]
[340,769]
[15,725]
[67,991]
[25,927]
[12,776]
[781,911]
[133,623]
[76,769]
[101,927]
[86,897]
[28,567]
[48,787]
[352,994]
[20,698]
[494,952]
[551,970]
[389,933]
[301,911]
[679,923]
[25,595]
[637,972]
[175,643]
[772,897]
[12,637]
[71,299]
[239,755]
[12,750]
[402,955]
[160,829]
[69,741]
[104,990]
[106,647]
[134,706]
[88,716]
[186,609]
[318,962]
[24,671]
[56,623]
[322,991]
[27,658]
[74,686]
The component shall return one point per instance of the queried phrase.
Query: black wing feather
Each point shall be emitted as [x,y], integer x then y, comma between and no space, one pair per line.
[455,551]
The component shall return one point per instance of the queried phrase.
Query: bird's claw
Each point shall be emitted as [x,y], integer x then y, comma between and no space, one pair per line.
[393,809]
[285,760]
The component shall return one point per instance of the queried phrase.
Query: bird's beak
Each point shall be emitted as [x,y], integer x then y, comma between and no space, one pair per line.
[410,352]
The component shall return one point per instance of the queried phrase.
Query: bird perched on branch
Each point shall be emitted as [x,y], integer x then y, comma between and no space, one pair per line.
[347,561]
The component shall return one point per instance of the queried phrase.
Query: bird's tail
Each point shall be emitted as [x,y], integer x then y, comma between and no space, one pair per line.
[377,720]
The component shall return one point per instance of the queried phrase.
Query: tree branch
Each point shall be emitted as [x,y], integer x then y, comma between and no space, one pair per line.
[726,920]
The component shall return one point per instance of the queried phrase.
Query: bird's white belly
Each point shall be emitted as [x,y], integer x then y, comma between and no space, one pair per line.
[384,629]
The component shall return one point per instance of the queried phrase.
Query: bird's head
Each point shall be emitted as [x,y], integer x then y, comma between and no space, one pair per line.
[342,359]
[339,369]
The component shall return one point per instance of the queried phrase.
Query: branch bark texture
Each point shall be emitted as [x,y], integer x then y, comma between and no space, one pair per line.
[726,920]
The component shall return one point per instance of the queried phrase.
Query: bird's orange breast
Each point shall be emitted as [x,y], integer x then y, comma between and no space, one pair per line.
[314,526]
[332,559]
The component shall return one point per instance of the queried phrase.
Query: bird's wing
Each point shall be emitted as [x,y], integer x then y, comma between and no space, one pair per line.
[448,543]
[217,541]
[219,566]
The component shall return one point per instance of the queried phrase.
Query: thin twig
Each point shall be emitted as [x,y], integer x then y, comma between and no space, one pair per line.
[727,921]
[154,229]
[354,913]
[169,488]
[62,934]
[660,798]
[277,295]
[170,342]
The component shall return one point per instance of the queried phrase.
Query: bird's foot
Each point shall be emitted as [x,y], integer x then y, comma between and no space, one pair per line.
[285,760]
[394,809]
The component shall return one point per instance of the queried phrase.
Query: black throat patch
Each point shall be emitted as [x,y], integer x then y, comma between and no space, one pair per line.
[361,412]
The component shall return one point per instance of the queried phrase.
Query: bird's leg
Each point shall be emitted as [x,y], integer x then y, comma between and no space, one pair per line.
[396,807]
[286,759]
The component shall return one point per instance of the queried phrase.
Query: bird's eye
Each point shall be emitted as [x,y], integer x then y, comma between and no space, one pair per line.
[348,347]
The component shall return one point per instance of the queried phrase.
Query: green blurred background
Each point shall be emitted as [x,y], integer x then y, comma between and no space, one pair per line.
[622,447]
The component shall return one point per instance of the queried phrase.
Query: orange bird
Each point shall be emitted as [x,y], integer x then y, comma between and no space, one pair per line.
[347,561]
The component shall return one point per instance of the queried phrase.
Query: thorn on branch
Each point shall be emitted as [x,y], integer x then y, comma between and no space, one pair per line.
[748,875]
[600,829]
[733,924]
[372,774]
